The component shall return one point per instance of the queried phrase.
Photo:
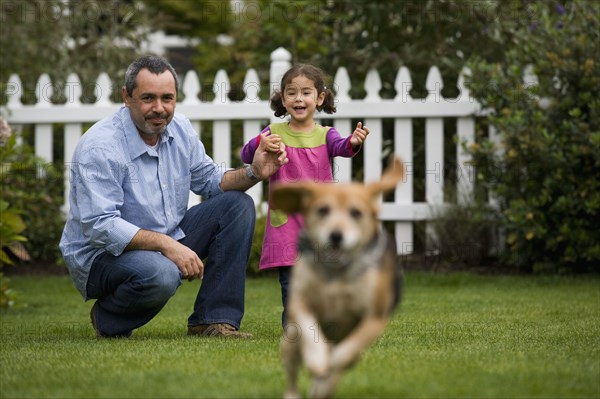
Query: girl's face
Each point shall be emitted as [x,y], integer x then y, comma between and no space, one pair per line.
[301,99]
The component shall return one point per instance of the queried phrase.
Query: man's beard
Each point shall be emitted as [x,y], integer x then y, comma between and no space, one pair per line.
[150,129]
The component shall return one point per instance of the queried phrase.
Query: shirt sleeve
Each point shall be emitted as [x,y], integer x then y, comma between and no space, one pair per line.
[99,198]
[339,146]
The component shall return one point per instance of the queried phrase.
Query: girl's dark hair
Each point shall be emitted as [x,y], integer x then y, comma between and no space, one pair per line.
[154,64]
[311,72]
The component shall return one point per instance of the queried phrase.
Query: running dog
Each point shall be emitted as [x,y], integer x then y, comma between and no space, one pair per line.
[346,282]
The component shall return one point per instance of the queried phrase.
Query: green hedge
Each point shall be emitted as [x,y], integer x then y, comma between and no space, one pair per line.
[34,189]
[545,172]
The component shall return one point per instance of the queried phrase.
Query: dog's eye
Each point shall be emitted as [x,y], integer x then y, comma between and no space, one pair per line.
[355,213]
[323,211]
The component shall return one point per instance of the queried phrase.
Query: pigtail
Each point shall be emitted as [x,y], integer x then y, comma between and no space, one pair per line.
[328,105]
[277,104]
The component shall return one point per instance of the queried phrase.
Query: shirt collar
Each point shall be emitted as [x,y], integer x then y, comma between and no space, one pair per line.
[135,144]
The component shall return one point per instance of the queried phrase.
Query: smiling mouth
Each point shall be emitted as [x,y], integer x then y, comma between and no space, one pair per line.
[156,119]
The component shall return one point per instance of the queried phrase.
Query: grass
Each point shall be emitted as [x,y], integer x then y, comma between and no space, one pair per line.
[455,335]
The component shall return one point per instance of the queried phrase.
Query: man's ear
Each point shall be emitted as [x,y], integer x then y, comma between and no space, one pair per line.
[291,198]
[125,96]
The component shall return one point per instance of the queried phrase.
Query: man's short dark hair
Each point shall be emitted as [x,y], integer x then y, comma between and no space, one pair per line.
[154,64]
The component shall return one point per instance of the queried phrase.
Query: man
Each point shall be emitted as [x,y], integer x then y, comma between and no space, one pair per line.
[129,238]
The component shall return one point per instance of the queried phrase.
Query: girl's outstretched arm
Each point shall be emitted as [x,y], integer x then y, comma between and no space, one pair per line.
[339,146]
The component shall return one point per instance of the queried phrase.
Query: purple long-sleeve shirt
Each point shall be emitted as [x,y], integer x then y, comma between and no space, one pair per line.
[309,159]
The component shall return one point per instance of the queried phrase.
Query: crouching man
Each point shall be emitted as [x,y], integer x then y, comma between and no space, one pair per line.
[130,239]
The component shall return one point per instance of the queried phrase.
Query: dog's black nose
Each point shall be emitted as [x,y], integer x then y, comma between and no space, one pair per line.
[335,238]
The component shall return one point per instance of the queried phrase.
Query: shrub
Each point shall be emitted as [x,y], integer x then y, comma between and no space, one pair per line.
[11,224]
[11,227]
[39,198]
[34,190]
[545,171]
[462,235]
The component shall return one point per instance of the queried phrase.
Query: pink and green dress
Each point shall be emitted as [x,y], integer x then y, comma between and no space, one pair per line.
[309,157]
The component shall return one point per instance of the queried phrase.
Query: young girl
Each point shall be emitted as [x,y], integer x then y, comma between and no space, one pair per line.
[309,148]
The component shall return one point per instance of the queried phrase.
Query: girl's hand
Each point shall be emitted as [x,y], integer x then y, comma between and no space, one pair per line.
[266,163]
[359,135]
[269,142]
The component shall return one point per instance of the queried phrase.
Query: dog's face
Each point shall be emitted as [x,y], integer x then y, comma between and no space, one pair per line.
[339,218]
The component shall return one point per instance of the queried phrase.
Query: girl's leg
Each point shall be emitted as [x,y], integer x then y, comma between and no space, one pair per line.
[285,273]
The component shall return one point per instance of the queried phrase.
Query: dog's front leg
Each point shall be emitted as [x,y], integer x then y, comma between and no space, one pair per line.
[313,345]
[347,352]
[290,349]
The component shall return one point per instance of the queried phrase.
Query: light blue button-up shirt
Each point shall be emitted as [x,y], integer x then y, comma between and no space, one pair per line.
[119,185]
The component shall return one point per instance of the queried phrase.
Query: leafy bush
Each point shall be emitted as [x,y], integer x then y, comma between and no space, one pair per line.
[11,224]
[11,227]
[462,235]
[34,190]
[544,174]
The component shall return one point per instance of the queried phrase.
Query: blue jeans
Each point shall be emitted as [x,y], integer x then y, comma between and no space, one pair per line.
[133,287]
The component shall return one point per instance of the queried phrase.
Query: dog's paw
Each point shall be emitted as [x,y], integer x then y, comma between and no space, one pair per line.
[291,394]
[323,387]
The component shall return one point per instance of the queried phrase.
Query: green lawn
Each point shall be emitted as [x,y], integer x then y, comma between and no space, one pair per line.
[456,335]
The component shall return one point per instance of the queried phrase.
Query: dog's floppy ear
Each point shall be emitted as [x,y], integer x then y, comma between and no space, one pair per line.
[390,178]
[291,197]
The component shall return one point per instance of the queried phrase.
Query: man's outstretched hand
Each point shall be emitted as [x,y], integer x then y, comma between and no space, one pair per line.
[266,163]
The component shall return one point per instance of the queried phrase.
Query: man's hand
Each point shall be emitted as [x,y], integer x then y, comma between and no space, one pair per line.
[186,260]
[266,163]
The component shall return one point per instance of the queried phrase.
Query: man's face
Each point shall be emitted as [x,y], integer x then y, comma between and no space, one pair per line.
[152,104]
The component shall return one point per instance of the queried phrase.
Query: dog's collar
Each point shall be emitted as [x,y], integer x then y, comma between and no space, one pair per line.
[343,269]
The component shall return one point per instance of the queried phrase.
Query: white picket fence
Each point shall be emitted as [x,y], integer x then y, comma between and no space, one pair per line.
[256,113]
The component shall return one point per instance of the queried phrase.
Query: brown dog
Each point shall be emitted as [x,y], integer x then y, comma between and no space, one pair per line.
[346,282]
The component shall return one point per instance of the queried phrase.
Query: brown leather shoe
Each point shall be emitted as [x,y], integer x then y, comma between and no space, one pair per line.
[223,330]
[93,318]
